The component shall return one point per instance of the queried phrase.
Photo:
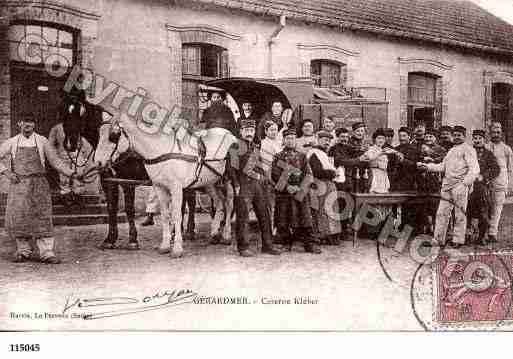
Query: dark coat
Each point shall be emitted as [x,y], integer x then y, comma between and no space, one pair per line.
[244,167]
[317,170]
[479,200]
[220,115]
[347,155]
[430,182]
[290,167]
[402,173]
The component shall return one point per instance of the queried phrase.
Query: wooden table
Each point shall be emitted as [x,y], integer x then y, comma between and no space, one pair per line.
[388,199]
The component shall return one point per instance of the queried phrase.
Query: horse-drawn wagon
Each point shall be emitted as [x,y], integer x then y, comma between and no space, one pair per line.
[344,105]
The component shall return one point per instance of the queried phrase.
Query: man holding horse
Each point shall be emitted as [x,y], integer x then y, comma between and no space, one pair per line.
[29,204]
[248,179]
[73,149]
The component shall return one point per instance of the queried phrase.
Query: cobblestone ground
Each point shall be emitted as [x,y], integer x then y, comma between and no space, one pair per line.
[348,283]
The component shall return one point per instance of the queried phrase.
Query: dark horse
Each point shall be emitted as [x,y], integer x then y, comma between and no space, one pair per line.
[129,166]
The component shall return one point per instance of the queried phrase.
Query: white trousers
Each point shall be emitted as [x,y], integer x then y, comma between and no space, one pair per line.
[45,246]
[497,203]
[455,198]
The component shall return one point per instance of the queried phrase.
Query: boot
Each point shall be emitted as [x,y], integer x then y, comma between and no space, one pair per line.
[269,249]
[246,253]
[148,221]
[312,248]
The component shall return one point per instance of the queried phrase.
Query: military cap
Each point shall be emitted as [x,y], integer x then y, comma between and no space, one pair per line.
[378,132]
[481,133]
[306,120]
[289,131]
[269,124]
[247,123]
[404,129]
[28,118]
[459,129]
[357,125]
[432,131]
[341,130]
[446,128]
[324,134]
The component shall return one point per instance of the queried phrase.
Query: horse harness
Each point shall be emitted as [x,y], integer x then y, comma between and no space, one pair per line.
[200,159]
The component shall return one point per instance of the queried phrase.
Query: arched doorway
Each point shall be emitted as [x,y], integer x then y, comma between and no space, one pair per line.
[33,90]
[502,108]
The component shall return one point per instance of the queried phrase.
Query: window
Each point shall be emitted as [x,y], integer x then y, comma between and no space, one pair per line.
[422,99]
[502,95]
[40,40]
[421,89]
[326,73]
[204,60]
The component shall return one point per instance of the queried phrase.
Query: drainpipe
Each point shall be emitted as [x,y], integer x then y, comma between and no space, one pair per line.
[281,26]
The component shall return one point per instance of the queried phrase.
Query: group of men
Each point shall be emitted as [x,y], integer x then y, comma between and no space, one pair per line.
[272,166]
[463,183]
[471,180]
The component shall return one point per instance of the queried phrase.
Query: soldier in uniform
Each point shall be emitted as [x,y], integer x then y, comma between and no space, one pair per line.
[350,157]
[342,136]
[327,228]
[218,114]
[389,137]
[501,184]
[479,201]
[429,182]
[446,137]
[29,205]
[293,217]
[249,182]
[460,169]
[402,174]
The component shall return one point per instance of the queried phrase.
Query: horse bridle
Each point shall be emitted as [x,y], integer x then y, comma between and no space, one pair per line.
[201,162]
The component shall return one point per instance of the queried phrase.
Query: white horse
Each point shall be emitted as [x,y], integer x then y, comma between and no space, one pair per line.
[173,164]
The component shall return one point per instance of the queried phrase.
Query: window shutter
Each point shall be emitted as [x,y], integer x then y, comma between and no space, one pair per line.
[191,60]
[343,75]
[225,66]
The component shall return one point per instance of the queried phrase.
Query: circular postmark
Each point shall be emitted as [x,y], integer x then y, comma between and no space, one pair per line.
[464,291]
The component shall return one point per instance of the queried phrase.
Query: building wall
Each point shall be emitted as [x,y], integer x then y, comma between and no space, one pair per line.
[372,61]
[137,43]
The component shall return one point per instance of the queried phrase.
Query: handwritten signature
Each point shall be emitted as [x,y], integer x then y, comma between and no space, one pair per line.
[159,300]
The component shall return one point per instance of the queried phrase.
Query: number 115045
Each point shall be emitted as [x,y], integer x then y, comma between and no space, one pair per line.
[24,347]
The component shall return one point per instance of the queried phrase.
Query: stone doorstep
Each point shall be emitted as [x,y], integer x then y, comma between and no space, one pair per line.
[79,219]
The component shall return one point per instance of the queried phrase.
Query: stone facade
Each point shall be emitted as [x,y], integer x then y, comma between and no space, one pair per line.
[138,43]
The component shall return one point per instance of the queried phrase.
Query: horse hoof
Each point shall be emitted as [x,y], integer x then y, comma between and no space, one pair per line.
[225,242]
[106,245]
[216,239]
[189,237]
[133,246]
[163,250]
[176,254]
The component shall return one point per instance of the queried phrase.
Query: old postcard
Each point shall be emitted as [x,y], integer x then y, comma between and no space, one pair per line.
[334,165]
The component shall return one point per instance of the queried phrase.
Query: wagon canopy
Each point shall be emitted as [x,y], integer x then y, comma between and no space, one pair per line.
[263,92]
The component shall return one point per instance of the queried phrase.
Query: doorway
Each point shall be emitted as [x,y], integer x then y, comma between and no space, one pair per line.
[35,93]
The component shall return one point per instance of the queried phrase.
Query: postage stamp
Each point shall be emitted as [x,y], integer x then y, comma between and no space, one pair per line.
[208,165]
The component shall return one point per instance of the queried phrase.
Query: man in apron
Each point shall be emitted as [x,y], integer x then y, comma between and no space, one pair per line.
[29,205]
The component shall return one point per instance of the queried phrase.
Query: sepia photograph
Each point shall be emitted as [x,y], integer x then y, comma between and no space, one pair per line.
[256,166]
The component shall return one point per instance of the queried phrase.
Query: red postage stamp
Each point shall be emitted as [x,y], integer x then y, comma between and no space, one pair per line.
[473,288]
